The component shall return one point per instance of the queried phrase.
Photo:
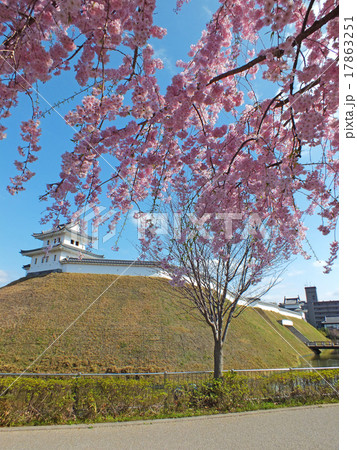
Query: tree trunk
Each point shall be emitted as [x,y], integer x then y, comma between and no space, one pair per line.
[218,359]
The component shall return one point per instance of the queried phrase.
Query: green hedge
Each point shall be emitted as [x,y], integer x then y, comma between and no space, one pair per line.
[50,401]
[241,391]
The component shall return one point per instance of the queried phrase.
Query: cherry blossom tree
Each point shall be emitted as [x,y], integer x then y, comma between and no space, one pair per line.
[221,285]
[212,136]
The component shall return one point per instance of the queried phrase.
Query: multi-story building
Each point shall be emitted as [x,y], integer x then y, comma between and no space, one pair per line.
[317,311]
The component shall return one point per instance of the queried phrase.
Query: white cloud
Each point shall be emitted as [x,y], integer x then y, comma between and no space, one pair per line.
[4,277]
[319,263]
[295,273]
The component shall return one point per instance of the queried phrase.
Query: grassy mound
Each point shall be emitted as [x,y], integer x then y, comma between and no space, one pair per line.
[103,323]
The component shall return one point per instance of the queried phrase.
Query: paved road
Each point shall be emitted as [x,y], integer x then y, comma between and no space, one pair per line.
[303,428]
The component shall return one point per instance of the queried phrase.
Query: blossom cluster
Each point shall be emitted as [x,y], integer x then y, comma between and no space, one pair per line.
[211,140]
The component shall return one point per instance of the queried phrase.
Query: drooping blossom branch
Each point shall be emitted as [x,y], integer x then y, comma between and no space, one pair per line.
[255,150]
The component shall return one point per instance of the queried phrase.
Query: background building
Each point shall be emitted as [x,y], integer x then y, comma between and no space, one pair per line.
[293,304]
[331,323]
[318,314]
[317,311]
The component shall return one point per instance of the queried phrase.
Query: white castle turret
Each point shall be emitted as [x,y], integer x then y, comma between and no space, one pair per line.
[58,245]
[64,249]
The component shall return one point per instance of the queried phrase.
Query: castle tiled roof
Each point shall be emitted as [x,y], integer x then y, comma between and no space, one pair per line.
[109,262]
[59,229]
[58,246]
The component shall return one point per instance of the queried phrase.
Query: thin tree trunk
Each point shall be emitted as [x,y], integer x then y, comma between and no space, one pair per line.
[218,359]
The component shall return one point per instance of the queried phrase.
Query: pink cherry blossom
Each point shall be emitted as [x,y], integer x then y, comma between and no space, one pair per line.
[198,142]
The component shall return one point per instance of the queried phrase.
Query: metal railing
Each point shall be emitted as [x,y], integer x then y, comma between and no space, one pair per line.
[178,377]
[322,344]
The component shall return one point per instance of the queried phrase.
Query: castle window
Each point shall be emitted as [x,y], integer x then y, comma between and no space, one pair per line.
[54,258]
[48,242]
[35,260]
[77,243]
[72,241]
[43,260]
[46,258]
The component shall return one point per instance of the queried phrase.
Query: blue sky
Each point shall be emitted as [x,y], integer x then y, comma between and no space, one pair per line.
[21,214]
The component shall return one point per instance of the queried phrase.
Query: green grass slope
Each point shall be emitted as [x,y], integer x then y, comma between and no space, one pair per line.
[136,324]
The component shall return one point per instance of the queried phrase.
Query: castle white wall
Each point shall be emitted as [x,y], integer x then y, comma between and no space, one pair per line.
[69,237]
[275,308]
[112,270]
[50,260]
[74,241]
[50,241]
[42,262]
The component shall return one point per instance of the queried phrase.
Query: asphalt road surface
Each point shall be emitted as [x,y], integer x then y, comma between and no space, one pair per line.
[303,428]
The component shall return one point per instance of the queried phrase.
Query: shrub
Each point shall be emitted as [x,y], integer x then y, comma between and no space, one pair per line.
[35,401]
[45,401]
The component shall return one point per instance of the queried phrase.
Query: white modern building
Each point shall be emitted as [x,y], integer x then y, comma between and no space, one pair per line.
[64,249]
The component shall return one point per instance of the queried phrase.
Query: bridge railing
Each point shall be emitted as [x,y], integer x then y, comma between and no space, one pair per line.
[322,344]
